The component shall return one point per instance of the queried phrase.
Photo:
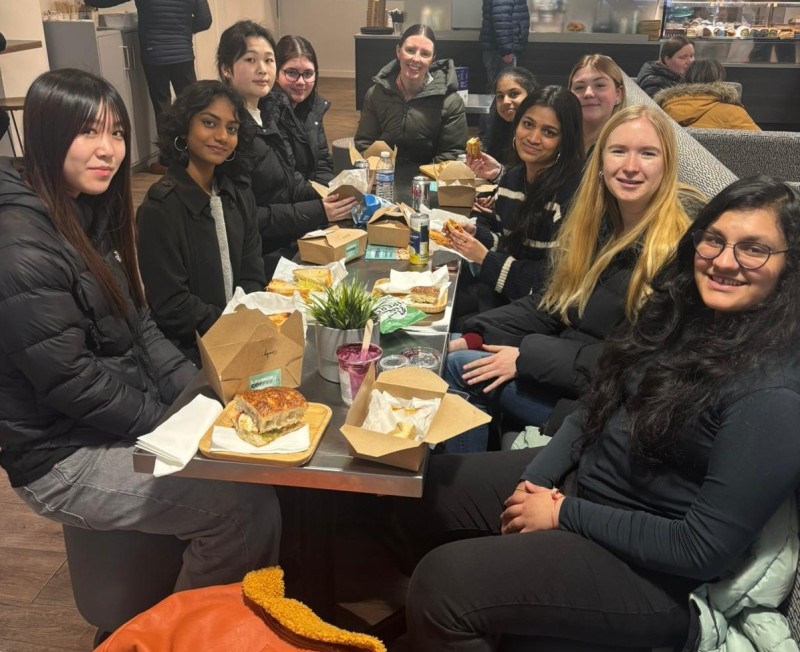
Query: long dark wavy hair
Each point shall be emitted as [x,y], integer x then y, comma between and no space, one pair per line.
[173,126]
[568,163]
[499,128]
[687,352]
[60,104]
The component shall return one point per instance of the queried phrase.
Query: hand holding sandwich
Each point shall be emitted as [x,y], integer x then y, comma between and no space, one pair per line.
[468,246]
[485,166]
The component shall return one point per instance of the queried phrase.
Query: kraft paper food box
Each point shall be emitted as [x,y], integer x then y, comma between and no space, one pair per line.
[454,416]
[332,244]
[245,350]
[389,226]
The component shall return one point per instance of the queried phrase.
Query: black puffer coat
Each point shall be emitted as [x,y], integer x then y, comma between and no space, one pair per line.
[166,28]
[505,25]
[288,207]
[655,76]
[432,126]
[303,129]
[179,254]
[72,374]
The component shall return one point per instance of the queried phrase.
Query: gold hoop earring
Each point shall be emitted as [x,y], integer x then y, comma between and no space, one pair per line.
[175,144]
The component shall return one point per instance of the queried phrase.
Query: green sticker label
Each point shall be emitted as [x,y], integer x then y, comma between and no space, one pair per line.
[267,379]
[351,250]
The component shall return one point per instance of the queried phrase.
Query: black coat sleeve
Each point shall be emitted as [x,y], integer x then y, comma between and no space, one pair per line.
[251,272]
[324,170]
[171,369]
[508,325]
[201,16]
[754,466]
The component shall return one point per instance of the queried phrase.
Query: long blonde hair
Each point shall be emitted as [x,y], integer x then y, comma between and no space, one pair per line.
[606,66]
[577,263]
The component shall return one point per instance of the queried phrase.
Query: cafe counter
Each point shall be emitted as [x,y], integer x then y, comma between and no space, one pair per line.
[771,89]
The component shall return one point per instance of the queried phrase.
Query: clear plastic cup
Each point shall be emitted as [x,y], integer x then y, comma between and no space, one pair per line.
[353,366]
[423,356]
[393,362]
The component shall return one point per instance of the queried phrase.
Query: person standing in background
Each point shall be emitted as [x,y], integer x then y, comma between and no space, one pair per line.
[165,35]
[504,33]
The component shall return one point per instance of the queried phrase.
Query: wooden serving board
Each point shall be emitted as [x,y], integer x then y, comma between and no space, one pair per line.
[430,308]
[317,417]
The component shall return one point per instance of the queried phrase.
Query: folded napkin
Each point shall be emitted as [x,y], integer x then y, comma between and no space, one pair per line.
[175,441]
[226,440]
[402,282]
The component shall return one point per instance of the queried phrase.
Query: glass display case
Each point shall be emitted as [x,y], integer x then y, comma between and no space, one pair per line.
[593,16]
[731,20]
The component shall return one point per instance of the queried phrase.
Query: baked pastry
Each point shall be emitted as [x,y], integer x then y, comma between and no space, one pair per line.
[576,27]
[313,278]
[286,289]
[424,294]
[266,414]
[403,430]
[474,147]
[440,238]
[453,226]
[279,318]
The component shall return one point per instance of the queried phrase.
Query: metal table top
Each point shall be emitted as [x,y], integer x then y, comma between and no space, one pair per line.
[478,103]
[331,466]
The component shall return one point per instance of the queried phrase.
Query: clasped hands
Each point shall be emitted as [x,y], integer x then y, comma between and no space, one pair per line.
[531,508]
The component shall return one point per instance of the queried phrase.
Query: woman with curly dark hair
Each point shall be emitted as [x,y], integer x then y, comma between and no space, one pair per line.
[198,235]
[684,450]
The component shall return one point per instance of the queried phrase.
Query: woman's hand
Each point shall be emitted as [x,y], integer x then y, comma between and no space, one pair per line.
[337,209]
[458,344]
[531,508]
[500,367]
[483,205]
[485,166]
[468,246]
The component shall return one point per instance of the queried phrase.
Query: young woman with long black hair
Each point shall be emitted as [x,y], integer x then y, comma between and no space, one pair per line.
[685,447]
[83,368]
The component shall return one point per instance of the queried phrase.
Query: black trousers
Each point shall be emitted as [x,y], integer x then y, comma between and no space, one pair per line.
[551,586]
[159,78]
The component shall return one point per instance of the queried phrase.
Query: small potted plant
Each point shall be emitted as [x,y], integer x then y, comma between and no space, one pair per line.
[340,315]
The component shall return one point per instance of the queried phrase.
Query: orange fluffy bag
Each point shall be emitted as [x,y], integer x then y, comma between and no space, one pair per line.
[249,616]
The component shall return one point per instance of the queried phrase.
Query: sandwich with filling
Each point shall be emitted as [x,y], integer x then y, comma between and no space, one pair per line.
[263,415]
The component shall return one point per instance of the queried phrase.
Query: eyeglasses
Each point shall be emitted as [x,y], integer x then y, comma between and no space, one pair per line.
[293,75]
[750,255]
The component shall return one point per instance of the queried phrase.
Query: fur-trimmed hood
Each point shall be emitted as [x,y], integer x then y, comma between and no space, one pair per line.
[719,91]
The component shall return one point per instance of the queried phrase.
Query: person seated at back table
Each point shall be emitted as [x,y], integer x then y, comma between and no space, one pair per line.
[685,447]
[288,206]
[675,56]
[197,228]
[510,245]
[84,369]
[625,221]
[597,82]
[298,76]
[414,104]
[495,131]
[703,101]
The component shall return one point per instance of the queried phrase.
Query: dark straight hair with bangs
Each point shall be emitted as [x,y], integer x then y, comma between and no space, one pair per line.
[291,47]
[233,43]
[59,105]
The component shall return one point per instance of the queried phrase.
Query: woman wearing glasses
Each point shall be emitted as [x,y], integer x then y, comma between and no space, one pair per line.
[288,207]
[414,104]
[684,448]
[298,73]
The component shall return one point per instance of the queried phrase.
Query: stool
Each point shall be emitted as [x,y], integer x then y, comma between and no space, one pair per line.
[341,154]
[12,104]
[118,574]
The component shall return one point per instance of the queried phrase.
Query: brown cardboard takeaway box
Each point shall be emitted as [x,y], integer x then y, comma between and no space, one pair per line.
[332,244]
[372,154]
[245,350]
[456,185]
[389,226]
[455,415]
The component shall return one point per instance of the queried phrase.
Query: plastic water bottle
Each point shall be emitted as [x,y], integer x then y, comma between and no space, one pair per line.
[384,178]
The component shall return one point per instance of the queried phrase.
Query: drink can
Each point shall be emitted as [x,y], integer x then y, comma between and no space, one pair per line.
[420,193]
[462,158]
[418,243]
[361,164]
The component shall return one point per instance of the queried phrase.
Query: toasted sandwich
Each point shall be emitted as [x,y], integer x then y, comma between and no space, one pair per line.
[269,413]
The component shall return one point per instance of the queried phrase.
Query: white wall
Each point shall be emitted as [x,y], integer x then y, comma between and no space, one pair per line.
[20,20]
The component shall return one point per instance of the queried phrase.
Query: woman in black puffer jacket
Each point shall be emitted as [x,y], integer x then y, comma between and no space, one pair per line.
[83,368]
[288,207]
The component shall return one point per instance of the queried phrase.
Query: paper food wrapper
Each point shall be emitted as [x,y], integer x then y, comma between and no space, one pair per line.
[402,282]
[267,302]
[225,440]
[438,218]
[385,412]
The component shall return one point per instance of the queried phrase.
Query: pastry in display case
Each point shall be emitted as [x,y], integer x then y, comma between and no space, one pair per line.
[731,20]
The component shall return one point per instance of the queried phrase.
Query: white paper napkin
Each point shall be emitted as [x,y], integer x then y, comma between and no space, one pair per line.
[402,282]
[438,219]
[269,303]
[226,440]
[175,441]
[385,413]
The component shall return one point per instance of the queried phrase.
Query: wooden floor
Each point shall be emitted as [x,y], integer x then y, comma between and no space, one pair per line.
[37,610]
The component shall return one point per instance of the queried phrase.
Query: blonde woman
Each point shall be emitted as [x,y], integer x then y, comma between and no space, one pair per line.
[624,223]
[596,80]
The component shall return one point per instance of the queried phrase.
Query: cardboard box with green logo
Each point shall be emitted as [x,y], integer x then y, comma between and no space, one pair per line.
[332,244]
